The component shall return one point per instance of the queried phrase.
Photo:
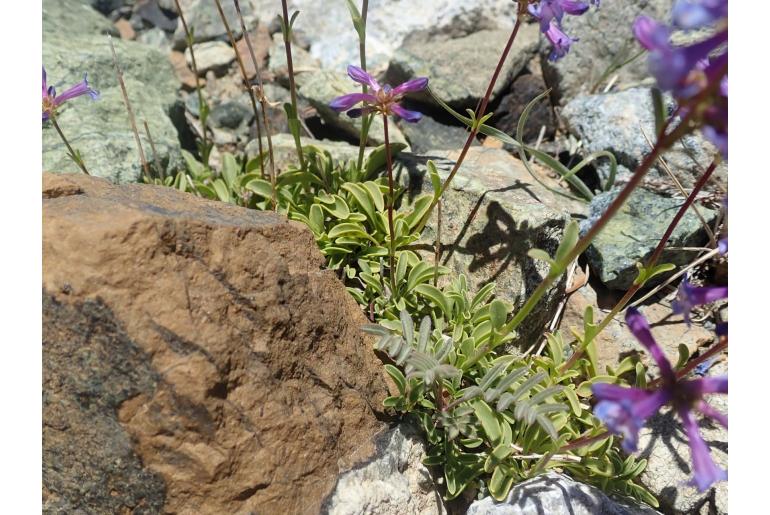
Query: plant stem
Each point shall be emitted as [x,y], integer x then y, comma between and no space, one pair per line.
[154,150]
[263,104]
[438,243]
[391,201]
[245,78]
[651,262]
[366,119]
[480,112]
[292,85]
[74,156]
[198,88]
[131,119]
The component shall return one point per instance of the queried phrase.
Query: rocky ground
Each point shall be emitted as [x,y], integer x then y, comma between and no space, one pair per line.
[217,367]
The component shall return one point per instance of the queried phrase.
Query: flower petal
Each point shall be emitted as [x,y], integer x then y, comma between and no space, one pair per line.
[613,392]
[345,102]
[362,77]
[689,14]
[705,471]
[418,84]
[77,90]
[713,384]
[690,296]
[711,412]
[638,325]
[627,416]
[406,114]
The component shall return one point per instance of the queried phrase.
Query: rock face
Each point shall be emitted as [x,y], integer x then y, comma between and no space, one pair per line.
[523,90]
[428,134]
[334,42]
[74,17]
[196,358]
[606,39]
[493,213]
[663,443]
[204,17]
[100,129]
[459,69]
[634,232]
[618,122]
[394,482]
[556,494]
[211,55]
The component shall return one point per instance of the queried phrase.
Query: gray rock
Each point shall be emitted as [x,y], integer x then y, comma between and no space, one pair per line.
[523,90]
[605,39]
[334,42]
[428,134]
[475,55]
[663,444]
[74,17]
[211,55]
[231,115]
[302,62]
[100,129]
[634,232]
[107,6]
[157,38]
[619,121]
[322,87]
[204,17]
[493,214]
[556,494]
[394,482]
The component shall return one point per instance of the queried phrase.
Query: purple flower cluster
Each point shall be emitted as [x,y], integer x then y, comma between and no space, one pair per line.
[550,14]
[695,74]
[382,99]
[51,101]
[625,410]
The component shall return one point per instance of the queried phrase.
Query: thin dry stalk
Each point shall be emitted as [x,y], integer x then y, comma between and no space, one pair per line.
[245,77]
[262,102]
[131,118]
[438,243]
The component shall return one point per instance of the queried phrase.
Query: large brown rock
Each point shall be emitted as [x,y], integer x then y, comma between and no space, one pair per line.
[196,357]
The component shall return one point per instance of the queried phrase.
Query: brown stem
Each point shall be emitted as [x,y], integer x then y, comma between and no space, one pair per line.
[653,259]
[74,156]
[131,118]
[438,243]
[154,150]
[245,78]
[480,112]
[366,119]
[391,201]
[263,104]
[198,87]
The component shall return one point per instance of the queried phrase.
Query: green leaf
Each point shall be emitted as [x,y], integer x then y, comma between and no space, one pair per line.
[645,274]
[568,242]
[419,209]
[376,194]
[500,483]
[436,296]
[230,169]
[684,355]
[193,166]
[378,158]
[361,197]
[555,347]
[435,178]
[403,261]
[261,187]
[488,420]
[397,377]
[348,229]
[340,208]
[498,313]
[659,110]
[574,404]
[222,190]
[316,219]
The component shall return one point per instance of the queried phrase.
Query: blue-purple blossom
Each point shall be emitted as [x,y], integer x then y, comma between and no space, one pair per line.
[382,99]
[689,296]
[689,71]
[625,410]
[550,14]
[51,101]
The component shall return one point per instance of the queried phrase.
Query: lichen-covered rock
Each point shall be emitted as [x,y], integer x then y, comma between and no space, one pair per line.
[74,17]
[429,134]
[459,69]
[633,233]
[556,494]
[203,17]
[196,357]
[211,55]
[618,122]
[606,40]
[100,129]
[493,214]
[663,443]
[301,61]
[393,482]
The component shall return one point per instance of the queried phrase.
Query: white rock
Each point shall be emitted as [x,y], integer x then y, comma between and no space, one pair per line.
[212,55]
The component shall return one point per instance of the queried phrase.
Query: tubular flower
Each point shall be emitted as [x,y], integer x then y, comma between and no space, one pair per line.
[51,101]
[695,74]
[382,99]
[550,14]
[690,296]
[625,410]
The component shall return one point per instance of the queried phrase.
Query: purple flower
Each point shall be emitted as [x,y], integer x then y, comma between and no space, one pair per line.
[550,14]
[689,71]
[51,101]
[690,296]
[625,410]
[381,99]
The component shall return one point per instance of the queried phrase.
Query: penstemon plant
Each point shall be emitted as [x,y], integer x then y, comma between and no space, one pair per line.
[492,419]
